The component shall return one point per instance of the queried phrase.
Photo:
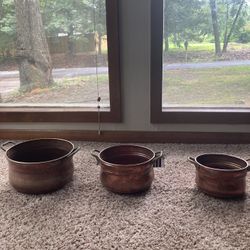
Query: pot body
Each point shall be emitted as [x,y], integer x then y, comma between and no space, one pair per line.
[127,169]
[222,185]
[126,181]
[221,176]
[40,178]
[40,166]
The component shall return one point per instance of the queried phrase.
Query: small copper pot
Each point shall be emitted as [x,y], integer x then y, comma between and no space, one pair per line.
[127,169]
[221,175]
[41,165]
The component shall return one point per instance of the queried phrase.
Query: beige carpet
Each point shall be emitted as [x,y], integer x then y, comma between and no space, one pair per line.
[83,215]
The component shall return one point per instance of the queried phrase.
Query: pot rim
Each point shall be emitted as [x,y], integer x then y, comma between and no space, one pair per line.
[40,162]
[126,165]
[219,169]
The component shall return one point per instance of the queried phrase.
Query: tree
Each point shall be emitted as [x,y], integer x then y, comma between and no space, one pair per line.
[7,27]
[188,20]
[216,32]
[34,60]
[1,9]
[100,22]
[66,17]
[166,26]
[227,35]
[184,20]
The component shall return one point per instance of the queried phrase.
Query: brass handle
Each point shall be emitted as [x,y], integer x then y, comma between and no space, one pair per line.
[6,143]
[158,159]
[74,151]
[192,160]
[96,153]
[248,168]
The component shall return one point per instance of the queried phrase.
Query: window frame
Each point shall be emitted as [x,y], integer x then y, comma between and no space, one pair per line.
[82,114]
[161,114]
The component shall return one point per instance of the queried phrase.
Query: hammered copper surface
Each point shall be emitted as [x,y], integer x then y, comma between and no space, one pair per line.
[221,175]
[127,169]
[40,166]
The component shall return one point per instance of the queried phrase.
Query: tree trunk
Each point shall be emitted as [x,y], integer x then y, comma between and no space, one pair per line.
[33,55]
[227,38]
[175,39]
[1,9]
[166,41]
[226,26]
[216,32]
[71,47]
[166,28]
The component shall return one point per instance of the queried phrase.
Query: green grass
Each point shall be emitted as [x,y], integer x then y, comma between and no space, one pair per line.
[193,47]
[206,47]
[59,85]
[227,86]
[102,78]
[239,46]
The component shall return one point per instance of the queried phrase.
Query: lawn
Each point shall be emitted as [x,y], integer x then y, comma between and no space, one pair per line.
[206,47]
[227,86]
[192,47]
[204,52]
[77,90]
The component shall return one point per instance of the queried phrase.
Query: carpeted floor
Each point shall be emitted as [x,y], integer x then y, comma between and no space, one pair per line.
[83,215]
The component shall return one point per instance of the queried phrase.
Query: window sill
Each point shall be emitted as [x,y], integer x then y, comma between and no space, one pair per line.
[201,115]
[58,114]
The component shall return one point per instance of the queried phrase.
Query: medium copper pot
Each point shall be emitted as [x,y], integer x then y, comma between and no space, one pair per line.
[41,165]
[221,175]
[127,169]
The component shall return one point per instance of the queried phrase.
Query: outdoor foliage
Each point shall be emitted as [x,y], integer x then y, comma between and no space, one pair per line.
[185,20]
[69,18]
[7,27]
[205,20]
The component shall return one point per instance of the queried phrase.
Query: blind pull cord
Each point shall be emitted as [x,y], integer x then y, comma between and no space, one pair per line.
[97,72]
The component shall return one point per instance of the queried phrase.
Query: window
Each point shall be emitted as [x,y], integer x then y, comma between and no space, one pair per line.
[200,70]
[57,59]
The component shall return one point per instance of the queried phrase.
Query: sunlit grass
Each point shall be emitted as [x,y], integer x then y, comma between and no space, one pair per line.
[192,47]
[206,47]
[239,46]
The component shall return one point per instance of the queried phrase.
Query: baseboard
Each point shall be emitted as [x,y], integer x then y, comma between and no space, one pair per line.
[130,136]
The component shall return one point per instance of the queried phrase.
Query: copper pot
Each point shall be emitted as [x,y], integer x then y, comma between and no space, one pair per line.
[41,165]
[221,175]
[127,168]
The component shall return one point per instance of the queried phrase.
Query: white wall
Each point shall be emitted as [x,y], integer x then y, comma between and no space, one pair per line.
[135,70]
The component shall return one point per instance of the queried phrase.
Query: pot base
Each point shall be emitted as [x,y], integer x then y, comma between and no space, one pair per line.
[41,191]
[126,192]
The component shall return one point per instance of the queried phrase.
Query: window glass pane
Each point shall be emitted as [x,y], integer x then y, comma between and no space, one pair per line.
[53,53]
[206,46]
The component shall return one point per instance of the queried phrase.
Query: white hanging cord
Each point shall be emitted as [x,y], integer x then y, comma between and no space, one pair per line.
[97,71]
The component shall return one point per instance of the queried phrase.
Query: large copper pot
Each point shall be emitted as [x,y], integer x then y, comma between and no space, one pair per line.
[221,175]
[127,168]
[41,165]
